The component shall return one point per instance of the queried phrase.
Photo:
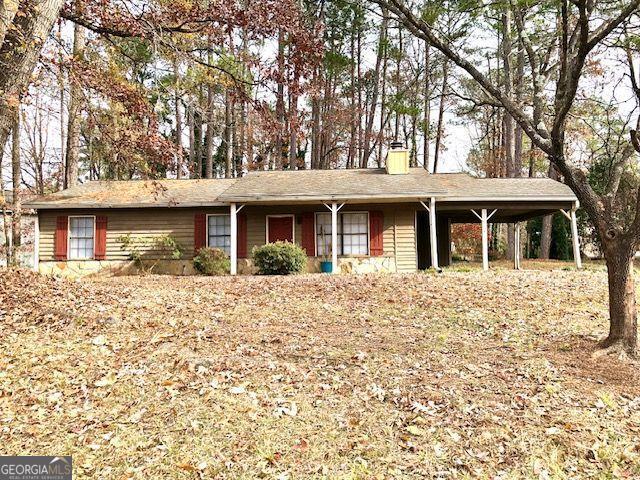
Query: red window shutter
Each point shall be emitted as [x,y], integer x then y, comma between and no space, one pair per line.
[376,227]
[308,234]
[199,232]
[242,235]
[62,227]
[100,246]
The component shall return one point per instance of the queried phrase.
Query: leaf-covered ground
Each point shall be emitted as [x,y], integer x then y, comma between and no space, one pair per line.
[460,375]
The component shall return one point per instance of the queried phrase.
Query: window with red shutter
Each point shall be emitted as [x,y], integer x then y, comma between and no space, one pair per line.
[376,228]
[100,248]
[308,233]
[199,232]
[242,235]
[60,242]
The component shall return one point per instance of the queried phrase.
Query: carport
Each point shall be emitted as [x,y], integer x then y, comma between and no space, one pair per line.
[433,224]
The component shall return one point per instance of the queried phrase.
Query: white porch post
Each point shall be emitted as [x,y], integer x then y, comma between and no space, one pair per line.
[574,237]
[433,233]
[36,244]
[334,208]
[234,239]
[485,240]
[516,246]
[571,216]
[334,237]
[484,218]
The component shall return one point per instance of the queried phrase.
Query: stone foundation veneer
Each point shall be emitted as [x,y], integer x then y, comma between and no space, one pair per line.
[357,265]
[81,268]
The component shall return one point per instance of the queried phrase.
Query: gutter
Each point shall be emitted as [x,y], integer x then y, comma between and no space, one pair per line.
[54,206]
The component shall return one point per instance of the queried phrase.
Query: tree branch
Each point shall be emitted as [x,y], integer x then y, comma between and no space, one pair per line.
[422,30]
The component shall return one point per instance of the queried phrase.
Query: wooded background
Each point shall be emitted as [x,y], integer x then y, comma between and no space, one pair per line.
[215,89]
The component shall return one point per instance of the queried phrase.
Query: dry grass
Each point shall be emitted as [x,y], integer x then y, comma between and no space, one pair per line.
[459,375]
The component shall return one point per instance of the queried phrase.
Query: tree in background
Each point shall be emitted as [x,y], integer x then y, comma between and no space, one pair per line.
[578,27]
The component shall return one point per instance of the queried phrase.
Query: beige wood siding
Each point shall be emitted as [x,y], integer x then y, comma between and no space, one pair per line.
[405,240]
[399,225]
[144,225]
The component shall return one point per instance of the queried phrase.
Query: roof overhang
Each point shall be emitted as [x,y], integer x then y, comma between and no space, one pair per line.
[400,198]
[107,206]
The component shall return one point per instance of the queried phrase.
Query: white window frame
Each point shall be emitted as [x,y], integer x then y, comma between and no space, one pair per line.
[207,227]
[315,233]
[69,238]
[284,215]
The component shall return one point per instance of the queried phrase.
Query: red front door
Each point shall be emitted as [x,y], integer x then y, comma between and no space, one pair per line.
[280,229]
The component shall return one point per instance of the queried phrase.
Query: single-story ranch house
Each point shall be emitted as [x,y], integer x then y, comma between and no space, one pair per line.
[396,219]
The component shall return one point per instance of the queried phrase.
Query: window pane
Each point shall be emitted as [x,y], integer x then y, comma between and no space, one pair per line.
[81,238]
[220,232]
[355,234]
[323,233]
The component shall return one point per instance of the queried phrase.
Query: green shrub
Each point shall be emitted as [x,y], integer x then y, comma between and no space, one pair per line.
[279,258]
[211,261]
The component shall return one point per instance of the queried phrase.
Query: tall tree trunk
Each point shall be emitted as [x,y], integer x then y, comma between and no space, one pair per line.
[178,113]
[75,108]
[315,125]
[228,133]
[507,125]
[192,139]
[208,169]
[210,112]
[16,180]
[280,109]
[242,134]
[5,211]
[198,128]
[623,327]
[427,107]
[518,132]
[62,81]
[359,73]
[396,131]
[8,9]
[19,53]
[368,132]
[293,122]
[383,102]
[440,128]
[547,225]
[351,153]
[250,143]
[413,157]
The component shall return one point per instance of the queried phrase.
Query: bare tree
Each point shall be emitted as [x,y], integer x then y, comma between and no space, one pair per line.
[582,26]
[19,53]
[8,9]
[75,108]
[16,180]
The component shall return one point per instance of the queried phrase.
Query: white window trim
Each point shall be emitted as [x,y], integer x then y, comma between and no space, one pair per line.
[69,238]
[315,235]
[284,215]
[207,226]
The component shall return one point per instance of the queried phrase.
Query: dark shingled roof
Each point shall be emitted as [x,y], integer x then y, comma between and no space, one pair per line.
[136,194]
[376,184]
[305,186]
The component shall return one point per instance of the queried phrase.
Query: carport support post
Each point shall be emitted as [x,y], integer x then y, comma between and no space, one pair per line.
[234,240]
[574,237]
[334,237]
[516,246]
[36,244]
[433,232]
[485,239]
